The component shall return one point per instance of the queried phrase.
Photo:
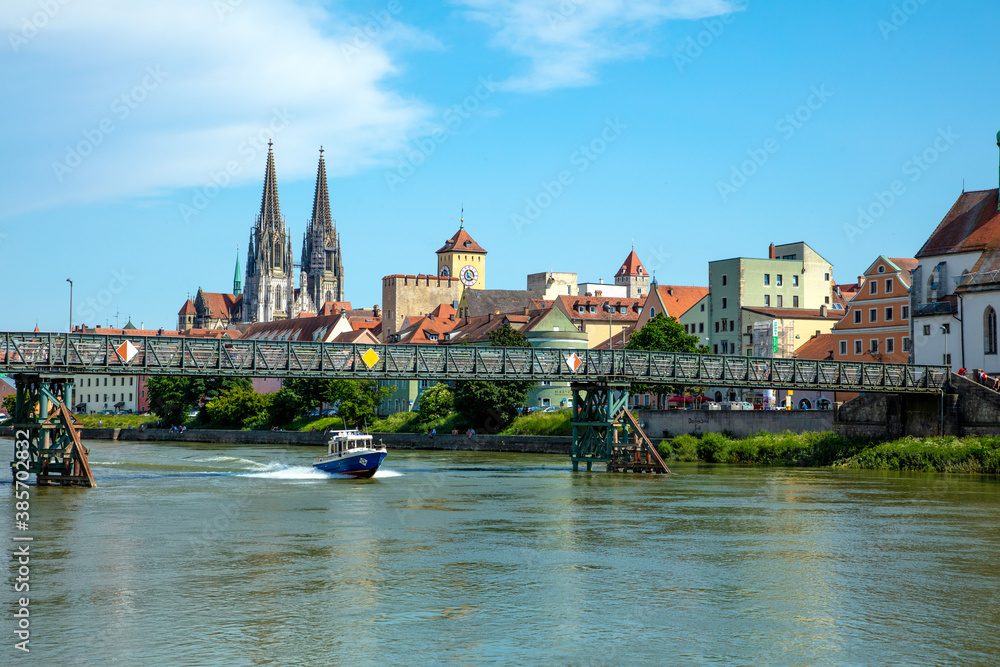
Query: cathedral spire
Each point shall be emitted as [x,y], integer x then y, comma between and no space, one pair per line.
[321,216]
[237,285]
[270,211]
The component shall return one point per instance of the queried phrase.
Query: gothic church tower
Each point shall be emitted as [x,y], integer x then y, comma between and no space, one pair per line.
[322,269]
[269,287]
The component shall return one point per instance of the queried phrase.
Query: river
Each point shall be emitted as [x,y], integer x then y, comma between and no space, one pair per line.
[198,554]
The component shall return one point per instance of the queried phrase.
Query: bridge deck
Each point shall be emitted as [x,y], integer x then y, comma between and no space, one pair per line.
[56,354]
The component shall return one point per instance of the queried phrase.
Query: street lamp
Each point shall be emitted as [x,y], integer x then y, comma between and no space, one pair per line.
[944,330]
[70,281]
[611,336]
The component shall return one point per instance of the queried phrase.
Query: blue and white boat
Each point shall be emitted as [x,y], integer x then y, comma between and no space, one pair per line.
[351,453]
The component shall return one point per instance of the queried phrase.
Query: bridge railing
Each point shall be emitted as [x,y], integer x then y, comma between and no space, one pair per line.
[77,354]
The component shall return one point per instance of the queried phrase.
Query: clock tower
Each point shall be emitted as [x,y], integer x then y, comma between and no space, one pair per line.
[461,257]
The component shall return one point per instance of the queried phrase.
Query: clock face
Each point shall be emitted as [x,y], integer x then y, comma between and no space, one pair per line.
[468,275]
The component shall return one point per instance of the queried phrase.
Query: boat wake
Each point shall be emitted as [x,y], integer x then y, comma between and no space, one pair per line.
[383,474]
[282,471]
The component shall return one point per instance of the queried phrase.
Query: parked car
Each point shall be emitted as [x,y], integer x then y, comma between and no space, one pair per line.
[551,408]
[312,413]
[710,405]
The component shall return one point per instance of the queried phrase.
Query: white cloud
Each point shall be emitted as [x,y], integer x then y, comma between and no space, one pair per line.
[225,69]
[567,40]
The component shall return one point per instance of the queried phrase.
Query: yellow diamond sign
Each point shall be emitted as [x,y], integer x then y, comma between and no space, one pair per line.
[370,357]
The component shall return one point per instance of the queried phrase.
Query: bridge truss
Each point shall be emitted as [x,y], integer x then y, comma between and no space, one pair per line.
[84,354]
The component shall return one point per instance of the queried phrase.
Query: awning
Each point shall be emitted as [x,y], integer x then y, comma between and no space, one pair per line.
[120,404]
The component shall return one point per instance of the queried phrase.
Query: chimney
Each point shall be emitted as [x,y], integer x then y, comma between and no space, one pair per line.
[601,280]
[822,312]
[375,310]
[772,253]
[861,281]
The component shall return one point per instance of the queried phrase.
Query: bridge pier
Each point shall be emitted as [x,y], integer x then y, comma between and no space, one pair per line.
[53,453]
[600,418]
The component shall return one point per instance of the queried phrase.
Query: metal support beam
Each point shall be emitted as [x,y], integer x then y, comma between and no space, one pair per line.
[55,454]
[596,406]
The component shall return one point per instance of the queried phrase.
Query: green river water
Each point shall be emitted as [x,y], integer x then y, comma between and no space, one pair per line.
[193,554]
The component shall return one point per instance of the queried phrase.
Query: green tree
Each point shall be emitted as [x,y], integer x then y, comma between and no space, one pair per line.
[435,403]
[9,404]
[285,406]
[663,334]
[239,408]
[493,404]
[313,392]
[357,400]
[171,396]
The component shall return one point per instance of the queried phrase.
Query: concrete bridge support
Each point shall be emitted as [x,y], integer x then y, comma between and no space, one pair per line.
[964,407]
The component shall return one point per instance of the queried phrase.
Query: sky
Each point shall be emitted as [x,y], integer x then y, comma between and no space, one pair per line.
[566,130]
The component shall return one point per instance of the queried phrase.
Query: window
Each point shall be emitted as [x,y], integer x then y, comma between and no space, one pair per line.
[732,325]
[946,359]
[990,330]
[779,301]
[888,313]
[795,301]
[843,348]
[857,316]
[795,281]
[715,349]
[927,330]
[716,327]
[881,269]
[105,384]
[767,278]
[907,344]
[703,308]
[890,345]
[874,346]
[872,315]
[778,280]
[622,310]
[701,327]
[724,302]
[593,308]
[652,312]
[767,300]
[857,347]
[686,329]
[827,300]
[725,347]
[826,277]
[724,279]
[130,396]
[873,287]
[888,286]
[904,312]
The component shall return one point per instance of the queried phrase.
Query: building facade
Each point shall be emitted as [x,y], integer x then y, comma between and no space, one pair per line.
[876,325]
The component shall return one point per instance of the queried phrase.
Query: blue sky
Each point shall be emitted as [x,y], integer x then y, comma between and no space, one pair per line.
[135,138]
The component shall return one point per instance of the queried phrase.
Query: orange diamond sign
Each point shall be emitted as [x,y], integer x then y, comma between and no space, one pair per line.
[127,351]
[370,357]
[574,362]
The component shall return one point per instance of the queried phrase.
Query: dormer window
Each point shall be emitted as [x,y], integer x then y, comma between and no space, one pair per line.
[581,309]
[622,309]
[467,244]
[593,308]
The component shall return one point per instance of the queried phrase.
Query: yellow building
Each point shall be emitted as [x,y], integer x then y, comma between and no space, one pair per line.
[463,258]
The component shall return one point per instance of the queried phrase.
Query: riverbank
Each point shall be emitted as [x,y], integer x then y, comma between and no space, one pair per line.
[970,454]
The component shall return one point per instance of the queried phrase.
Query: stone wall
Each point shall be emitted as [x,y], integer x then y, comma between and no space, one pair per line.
[737,423]
[967,408]
[403,296]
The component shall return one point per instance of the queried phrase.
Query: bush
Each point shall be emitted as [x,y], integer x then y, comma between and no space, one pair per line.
[285,406]
[239,408]
[435,403]
[541,423]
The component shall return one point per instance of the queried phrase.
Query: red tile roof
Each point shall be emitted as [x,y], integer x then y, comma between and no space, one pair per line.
[188,308]
[222,306]
[632,267]
[334,307]
[818,347]
[972,224]
[570,305]
[798,313]
[461,242]
[300,328]
[680,298]
[905,264]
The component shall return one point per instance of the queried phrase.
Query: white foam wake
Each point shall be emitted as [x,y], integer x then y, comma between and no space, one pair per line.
[381,474]
[282,471]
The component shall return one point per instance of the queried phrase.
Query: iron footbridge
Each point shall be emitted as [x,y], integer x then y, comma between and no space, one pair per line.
[66,355]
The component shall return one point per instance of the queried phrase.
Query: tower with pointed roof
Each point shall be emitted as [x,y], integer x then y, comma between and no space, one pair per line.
[269,285]
[322,276]
[461,257]
[633,276]
[237,289]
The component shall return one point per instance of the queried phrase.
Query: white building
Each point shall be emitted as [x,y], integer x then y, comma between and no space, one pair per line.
[955,293]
